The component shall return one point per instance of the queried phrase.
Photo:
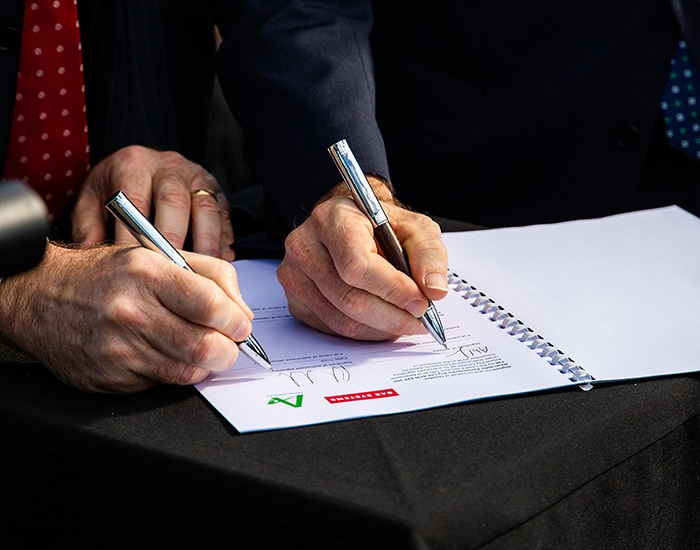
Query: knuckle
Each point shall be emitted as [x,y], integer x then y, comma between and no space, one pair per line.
[397,289]
[171,157]
[429,225]
[295,247]
[355,303]
[132,153]
[108,370]
[351,328]
[204,351]
[122,311]
[202,177]
[212,303]
[189,375]
[430,232]
[139,264]
[172,191]
[283,275]
[321,212]
[404,324]
[354,269]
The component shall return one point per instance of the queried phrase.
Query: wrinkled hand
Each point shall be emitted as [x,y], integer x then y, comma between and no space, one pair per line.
[123,319]
[160,181]
[336,280]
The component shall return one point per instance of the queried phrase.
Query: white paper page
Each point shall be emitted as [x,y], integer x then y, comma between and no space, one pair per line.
[320,378]
[620,295]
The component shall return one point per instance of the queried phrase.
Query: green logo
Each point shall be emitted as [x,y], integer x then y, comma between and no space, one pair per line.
[296,403]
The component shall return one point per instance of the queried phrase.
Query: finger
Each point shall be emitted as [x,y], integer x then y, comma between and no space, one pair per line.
[89,218]
[188,350]
[181,352]
[227,236]
[156,364]
[223,274]
[350,241]
[211,226]
[374,306]
[421,239]
[148,343]
[317,291]
[307,304]
[196,326]
[171,196]
[202,301]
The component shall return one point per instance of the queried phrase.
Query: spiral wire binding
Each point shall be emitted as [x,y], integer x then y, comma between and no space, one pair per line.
[506,321]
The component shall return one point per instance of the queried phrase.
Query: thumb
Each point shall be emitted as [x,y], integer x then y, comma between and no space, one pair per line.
[422,241]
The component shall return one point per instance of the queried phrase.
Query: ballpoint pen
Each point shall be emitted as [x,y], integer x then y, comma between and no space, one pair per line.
[149,237]
[386,238]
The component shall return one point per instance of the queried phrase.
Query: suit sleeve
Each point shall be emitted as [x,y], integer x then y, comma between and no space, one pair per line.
[298,77]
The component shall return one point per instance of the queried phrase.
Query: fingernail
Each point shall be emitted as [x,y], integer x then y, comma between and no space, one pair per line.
[436,281]
[416,307]
[242,330]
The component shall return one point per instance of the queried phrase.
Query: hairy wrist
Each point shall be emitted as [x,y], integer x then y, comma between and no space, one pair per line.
[26,299]
[19,294]
[382,188]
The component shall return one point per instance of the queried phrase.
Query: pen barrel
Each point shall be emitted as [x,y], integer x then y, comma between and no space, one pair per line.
[394,253]
[367,201]
[141,228]
[391,247]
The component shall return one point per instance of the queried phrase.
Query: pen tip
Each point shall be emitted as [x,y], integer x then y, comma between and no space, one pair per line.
[252,348]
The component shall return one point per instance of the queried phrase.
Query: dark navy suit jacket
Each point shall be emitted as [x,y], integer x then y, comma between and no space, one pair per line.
[531,112]
[538,113]
[149,67]
[500,115]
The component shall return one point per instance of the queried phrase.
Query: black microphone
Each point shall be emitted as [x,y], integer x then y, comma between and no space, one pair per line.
[24,227]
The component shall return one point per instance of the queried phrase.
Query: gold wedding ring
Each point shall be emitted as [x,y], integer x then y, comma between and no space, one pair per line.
[203,191]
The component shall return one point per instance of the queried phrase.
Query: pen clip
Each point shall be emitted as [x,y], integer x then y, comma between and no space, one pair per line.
[357,183]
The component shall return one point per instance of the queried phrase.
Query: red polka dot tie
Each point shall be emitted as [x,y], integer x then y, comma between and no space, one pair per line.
[48,141]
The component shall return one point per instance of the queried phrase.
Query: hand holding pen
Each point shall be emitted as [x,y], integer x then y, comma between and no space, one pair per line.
[386,238]
[142,229]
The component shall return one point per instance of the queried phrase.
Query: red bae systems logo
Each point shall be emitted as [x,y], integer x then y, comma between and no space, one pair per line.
[361,396]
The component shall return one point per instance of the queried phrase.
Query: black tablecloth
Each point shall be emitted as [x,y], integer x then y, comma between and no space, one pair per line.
[615,467]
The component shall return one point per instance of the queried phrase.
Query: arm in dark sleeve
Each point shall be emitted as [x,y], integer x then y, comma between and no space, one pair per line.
[298,77]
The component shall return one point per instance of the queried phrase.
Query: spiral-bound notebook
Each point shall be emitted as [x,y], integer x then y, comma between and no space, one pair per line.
[530,308]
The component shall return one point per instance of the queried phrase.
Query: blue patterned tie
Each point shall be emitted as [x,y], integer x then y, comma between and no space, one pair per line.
[680,104]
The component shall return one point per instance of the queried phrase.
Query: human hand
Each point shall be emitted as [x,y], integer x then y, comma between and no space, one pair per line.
[122,319]
[161,181]
[336,280]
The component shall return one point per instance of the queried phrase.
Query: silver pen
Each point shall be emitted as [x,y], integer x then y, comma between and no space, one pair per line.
[369,204]
[149,237]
